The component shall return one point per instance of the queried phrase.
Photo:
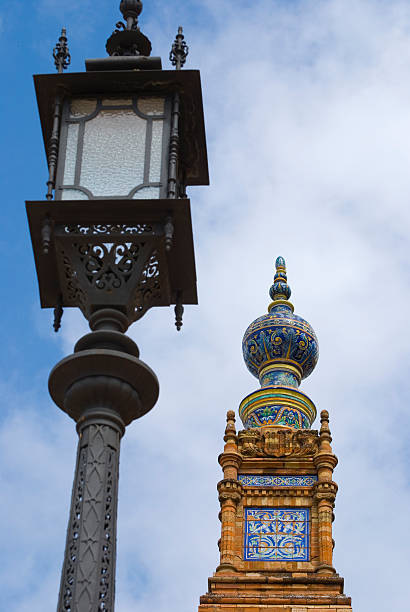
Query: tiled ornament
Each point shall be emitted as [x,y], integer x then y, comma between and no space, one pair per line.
[276,534]
[256,480]
[280,348]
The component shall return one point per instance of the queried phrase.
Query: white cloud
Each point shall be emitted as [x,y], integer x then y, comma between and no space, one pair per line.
[307,112]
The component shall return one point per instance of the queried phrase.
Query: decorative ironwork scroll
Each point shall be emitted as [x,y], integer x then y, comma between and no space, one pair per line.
[114,265]
[179,51]
[61,54]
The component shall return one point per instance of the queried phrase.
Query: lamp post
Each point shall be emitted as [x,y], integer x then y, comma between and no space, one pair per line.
[113,238]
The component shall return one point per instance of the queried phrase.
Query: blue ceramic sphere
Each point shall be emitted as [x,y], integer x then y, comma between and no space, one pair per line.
[280,336]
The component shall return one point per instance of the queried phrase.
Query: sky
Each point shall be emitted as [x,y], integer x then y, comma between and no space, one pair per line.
[307,109]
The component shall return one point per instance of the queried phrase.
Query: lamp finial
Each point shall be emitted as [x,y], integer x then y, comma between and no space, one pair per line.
[61,54]
[179,50]
[131,10]
[127,39]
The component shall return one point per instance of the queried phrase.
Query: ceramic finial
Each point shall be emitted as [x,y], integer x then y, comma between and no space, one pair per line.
[280,291]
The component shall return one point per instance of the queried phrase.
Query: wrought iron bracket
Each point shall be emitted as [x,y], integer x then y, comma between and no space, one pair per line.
[113,254]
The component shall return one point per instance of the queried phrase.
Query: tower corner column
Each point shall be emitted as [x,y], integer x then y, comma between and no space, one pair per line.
[230,494]
[325,495]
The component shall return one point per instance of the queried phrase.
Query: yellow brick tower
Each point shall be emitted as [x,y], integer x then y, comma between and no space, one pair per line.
[277,494]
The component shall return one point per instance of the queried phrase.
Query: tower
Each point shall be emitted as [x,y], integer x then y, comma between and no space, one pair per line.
[277,494]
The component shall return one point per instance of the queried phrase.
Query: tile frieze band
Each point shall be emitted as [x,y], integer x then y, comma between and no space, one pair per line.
[256,480]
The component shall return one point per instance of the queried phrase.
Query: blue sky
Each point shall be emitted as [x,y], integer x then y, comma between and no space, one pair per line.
[307,110]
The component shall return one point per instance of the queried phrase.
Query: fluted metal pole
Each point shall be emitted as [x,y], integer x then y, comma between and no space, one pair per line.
[103,386]
[88,576]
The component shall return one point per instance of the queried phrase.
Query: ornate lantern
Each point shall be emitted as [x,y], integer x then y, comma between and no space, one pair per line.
[123,140]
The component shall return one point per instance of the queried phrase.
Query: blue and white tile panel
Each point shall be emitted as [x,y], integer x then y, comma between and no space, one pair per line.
[276,534]
[256,480]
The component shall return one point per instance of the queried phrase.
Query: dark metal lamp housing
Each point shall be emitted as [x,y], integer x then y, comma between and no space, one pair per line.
[124,139]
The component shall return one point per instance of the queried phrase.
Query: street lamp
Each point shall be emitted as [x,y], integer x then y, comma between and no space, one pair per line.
[114,238]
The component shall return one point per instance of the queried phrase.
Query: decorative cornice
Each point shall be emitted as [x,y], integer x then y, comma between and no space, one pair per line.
[287,492]
[324,459]
[230,489]
[315,600]
[278,443]
[311,579]
[229,459]
[325,491]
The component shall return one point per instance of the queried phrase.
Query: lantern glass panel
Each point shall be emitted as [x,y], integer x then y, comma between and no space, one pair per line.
[114,148]
[117,101]
[81,107]
[156,152]
[151,106]
[146,193]
[74,194]
[71,154]
[113,154]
